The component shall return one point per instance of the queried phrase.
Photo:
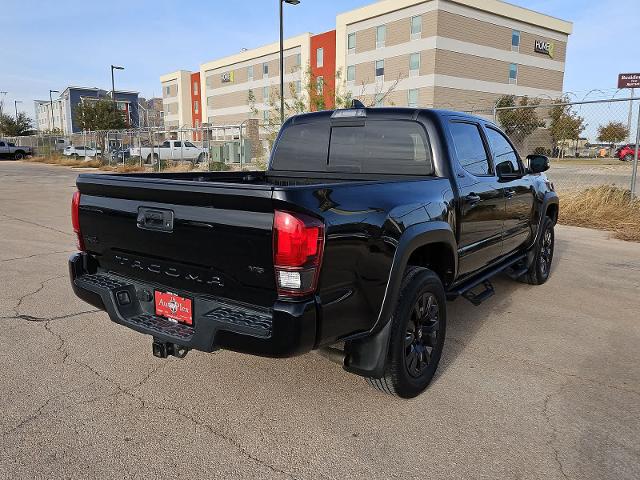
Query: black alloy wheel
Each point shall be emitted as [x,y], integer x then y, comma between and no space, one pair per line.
[422,334]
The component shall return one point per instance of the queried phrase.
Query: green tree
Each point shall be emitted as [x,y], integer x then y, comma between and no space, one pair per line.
[98,115]
[565,123]
[518,120]
[12,127]
[613,132]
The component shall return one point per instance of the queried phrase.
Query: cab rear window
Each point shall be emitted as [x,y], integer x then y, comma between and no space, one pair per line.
[377,146]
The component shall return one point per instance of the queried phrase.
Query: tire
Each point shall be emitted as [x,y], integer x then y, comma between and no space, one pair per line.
[74,156]
[200,158]
[417,335]
[540,269]
[628,158]
[18,155]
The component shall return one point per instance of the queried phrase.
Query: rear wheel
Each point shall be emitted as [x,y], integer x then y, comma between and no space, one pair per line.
[540,269]
[417,335]
[628,157]
[200,158]
[18,156]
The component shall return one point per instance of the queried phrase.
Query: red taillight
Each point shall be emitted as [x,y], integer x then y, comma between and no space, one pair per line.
[75,220]
[298,244]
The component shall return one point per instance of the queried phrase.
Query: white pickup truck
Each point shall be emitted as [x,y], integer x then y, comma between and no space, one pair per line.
[10,150]
[170,150]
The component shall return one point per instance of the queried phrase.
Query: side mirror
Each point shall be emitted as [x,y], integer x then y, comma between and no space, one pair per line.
[538,163]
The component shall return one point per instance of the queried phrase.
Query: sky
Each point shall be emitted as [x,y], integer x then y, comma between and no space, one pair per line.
[53,44]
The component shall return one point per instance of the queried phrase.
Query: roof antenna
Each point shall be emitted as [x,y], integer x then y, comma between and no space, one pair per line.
[355,103]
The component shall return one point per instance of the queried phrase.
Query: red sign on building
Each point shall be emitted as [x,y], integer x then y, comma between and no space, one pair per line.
[629,80]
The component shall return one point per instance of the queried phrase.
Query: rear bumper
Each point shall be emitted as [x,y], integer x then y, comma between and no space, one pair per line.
[285,330]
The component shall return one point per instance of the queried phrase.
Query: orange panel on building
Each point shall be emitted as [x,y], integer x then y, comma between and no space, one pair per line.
[327,69]
[196,104]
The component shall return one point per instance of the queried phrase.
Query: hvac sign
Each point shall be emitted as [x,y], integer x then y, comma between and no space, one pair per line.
[227,77]
[544,47]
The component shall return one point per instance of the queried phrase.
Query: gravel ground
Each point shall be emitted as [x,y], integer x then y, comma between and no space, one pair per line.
[537,382]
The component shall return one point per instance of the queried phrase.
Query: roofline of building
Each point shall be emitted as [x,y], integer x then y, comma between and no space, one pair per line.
[167,77]
[256,52]
[496,7]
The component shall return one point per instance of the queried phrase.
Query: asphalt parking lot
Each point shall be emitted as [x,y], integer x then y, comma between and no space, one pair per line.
[538,382]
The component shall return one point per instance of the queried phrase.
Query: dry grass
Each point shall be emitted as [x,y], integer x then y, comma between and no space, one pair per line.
[123,168]
[603,208]
[65,161]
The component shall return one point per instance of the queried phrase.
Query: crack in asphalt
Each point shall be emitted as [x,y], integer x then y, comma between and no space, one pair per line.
[35,255]
[129,392]
[539,366]
[554,431]
[36,224]
[37,290]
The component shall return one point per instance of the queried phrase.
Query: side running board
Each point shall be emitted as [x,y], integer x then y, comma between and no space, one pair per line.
[465,288]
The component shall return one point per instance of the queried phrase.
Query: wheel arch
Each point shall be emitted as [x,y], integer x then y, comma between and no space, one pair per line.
[420,243]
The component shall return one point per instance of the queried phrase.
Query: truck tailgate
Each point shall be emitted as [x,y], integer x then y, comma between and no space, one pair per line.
[206,238]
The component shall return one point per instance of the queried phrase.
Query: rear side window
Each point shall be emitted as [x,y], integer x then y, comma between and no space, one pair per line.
[303,147]
[392,147]
[470,148]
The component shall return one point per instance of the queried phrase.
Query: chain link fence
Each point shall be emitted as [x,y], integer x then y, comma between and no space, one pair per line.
[590,143]
[221,147]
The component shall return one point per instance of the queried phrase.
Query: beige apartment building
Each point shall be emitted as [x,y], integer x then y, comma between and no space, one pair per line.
[228,83]
[454,54]
[176,99]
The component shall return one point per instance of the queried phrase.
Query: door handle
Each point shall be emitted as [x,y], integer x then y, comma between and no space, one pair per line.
[509,193]
[472,198]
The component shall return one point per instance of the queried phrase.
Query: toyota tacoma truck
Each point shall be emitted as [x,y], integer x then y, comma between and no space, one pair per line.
[366,222]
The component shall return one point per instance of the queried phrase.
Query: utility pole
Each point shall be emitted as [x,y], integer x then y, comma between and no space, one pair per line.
[113,86]
[634,173]
[630,115]
[15,105]
[282,2]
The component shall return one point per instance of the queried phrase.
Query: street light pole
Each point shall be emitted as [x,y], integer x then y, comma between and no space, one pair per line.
[15,105]
[281,4]
[53,119]
[2,101]
[113,86]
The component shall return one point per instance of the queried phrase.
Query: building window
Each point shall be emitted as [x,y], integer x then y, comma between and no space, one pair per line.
[380,100]
[265,115]
[298,59]
[412,98]
[380,68]
[351,42]
[265,69]
[515,40]
[196,88]
[298,87]
[250,73]
[167,90]
[381,36]
[320,58]
[319,85]
[265,94]
[416,27]
[414,64]
[351,73]
[513,73]
[196,107]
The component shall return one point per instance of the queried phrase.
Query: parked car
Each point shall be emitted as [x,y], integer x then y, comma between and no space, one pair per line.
[366,222]
[81,151]
[626,153]
[170,150]
[120,154]
[10,150]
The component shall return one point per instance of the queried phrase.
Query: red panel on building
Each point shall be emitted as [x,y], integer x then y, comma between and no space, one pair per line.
[327,69]
[196,104]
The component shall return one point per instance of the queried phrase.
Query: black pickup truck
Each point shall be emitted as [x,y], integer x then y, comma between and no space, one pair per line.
[366,222]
